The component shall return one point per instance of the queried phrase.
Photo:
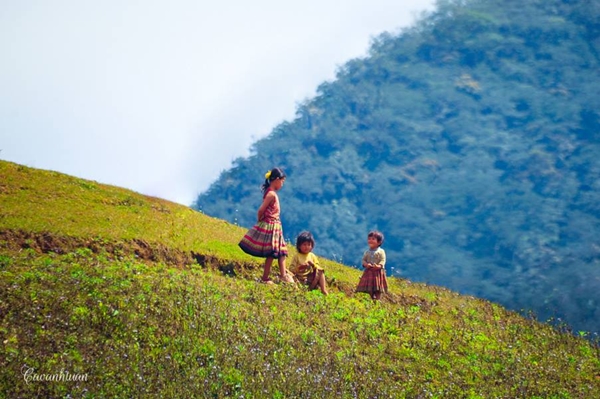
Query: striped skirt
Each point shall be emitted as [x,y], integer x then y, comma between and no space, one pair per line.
[373,281]
[265,240]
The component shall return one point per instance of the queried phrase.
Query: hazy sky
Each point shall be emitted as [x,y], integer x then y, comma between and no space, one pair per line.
[159,96]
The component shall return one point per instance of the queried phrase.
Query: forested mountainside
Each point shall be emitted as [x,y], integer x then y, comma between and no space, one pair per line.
[471,140]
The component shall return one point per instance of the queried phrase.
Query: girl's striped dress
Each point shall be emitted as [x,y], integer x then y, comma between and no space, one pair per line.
[373,280]
[265,239]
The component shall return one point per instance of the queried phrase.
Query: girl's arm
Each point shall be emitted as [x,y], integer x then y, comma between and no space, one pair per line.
[269,198]
[315,262]
[380,260]
[294,265]
[366,264]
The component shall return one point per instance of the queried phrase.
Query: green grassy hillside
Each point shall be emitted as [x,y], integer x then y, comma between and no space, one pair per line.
[108,293]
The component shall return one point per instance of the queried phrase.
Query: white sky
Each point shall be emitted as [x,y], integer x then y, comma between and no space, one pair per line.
[159,96]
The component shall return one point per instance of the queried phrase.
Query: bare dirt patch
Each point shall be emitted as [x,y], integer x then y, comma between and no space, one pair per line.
[45,242]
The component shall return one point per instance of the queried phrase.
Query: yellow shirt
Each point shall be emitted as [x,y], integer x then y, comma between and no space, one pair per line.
[302,259]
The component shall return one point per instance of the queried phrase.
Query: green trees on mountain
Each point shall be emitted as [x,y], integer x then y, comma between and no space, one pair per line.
[471,140]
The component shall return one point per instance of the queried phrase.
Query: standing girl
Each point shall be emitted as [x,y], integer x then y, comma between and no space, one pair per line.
[265,239]
[373,280]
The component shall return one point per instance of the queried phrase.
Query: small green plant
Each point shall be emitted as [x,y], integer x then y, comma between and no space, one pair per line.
[5,261]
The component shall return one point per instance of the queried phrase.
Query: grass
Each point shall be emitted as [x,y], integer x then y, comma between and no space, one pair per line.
[160,303]
[45,201]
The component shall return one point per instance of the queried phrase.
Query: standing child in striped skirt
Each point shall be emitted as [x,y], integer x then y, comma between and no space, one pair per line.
[373,280]
[265,238]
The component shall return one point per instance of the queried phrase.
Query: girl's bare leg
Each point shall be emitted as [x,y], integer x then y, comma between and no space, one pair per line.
[322,283]
[267,269]
[315,281]
[282,272]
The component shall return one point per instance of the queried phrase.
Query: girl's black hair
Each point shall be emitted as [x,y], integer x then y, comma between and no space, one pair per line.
[378,236]
[276,173]
[303,237]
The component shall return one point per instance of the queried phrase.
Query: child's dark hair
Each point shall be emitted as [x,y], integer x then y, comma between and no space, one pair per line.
[273,174]
[303,237]
[378,236]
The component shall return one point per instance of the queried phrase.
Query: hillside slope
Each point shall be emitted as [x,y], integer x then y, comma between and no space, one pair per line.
[471,140]
[108,293]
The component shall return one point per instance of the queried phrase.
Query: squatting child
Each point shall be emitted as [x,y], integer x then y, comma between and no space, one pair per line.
[305,265]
